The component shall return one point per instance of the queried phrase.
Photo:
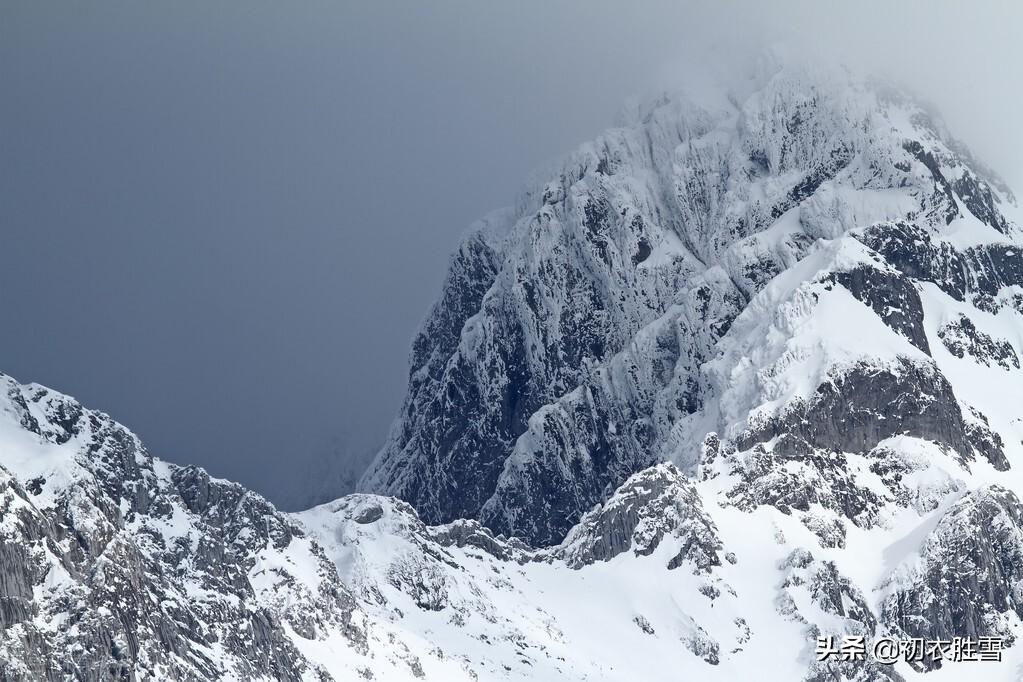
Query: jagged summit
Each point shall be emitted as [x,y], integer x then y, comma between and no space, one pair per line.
[588,332]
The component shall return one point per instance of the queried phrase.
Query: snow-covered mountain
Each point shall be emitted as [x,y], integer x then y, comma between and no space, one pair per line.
[743,372]
[700,267]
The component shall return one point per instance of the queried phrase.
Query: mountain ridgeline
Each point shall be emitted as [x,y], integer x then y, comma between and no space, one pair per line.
[742,373]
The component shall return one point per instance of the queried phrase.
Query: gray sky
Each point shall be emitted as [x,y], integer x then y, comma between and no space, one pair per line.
[222,222]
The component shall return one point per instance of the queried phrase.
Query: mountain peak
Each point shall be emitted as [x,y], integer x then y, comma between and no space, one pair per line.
[599,334]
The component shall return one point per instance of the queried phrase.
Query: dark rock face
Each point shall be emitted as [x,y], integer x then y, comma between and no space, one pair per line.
[583,446]
[656,502]
[980,201]
[863,406]
[451,398]
[892,297]
[795,461]
[575,482]
[895,467]
[944,198]
[979,271]
[822,585]
[909,248]
[961,337]
[469,401]
[22,569]
[971,562]
[828,589]
[987,442]
[463,533]
[795,481]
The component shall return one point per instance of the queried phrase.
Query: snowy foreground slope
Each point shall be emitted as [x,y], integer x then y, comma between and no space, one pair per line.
[116,565]
[745,373]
